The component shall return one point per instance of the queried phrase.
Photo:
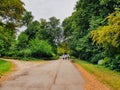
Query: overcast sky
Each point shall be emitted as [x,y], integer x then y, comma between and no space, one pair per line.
[48,8]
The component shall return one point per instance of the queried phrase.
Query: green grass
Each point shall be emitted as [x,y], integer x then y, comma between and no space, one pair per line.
[5,66]
[103,74]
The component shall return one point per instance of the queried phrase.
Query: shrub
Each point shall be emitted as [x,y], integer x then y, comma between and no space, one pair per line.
[24,53]
[40,48]
[113,62]
[106,61]
[96,58]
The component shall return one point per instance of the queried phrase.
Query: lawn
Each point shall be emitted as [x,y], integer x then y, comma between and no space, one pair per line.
[5,66]
[103,74]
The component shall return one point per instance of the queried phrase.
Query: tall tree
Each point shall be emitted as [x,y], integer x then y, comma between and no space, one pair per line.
[54,30]
[32,30]
[27,19]
[67,27]
[88,15]
[11,12]
[108,35]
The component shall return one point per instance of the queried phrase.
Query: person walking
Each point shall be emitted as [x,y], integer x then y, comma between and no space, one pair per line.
[68,56]
[63,56]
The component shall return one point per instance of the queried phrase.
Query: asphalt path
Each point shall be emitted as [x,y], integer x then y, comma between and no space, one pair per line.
[53,75]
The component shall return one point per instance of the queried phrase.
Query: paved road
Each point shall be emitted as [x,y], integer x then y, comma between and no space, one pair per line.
[54,75]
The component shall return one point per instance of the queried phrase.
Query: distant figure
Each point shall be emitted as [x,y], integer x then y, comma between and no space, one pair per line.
[68,56]
[63,56]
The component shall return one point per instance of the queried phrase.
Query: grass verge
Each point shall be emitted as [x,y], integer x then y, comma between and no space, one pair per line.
[103,74]
[5,67]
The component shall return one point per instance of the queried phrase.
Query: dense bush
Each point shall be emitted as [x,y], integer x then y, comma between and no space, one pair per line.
[40,48]
[96,58]
[24,53]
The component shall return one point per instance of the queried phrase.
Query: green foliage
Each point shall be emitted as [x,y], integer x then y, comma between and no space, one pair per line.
[63,48]
[113,62]
[83,20]
[34,41]
[22,41]
[12,50]
[95,21]
[87,51]
[60,50]
[32,30]
[27,19]
[43,30]
[108,36]
[68,30]
[6,39]
[96,58]
[54,31]
[11,11]
[40,48]
[24,53]
[84,48]
[98,16]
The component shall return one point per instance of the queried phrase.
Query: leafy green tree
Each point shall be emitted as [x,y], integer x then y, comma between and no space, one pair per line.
[11,11]
[32,30]
[51,29]
[39,39]
[67,27]
[22,41]
[108,36]
[54,31]
[27,19]
[88,15]
[6,39]
[42,32]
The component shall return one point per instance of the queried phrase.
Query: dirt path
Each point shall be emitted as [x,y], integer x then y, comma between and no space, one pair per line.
[54,75]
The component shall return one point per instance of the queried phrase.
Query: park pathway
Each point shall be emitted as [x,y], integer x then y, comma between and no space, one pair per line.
[53,75]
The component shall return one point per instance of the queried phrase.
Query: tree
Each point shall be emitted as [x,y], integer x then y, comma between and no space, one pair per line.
[6,39]
[87,16]
[108,35]
[54,31]
[11,11]
[67,27]
[27,18]
[22,41]
[32,30]
[42,32]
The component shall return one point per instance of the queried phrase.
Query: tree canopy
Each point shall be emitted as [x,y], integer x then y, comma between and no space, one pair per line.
[94,30]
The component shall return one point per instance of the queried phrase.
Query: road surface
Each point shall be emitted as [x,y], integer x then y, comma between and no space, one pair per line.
[53,75]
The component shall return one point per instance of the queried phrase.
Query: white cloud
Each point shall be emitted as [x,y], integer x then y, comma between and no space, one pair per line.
[48,8]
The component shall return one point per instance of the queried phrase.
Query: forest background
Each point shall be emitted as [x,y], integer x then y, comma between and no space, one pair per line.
[91,33]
